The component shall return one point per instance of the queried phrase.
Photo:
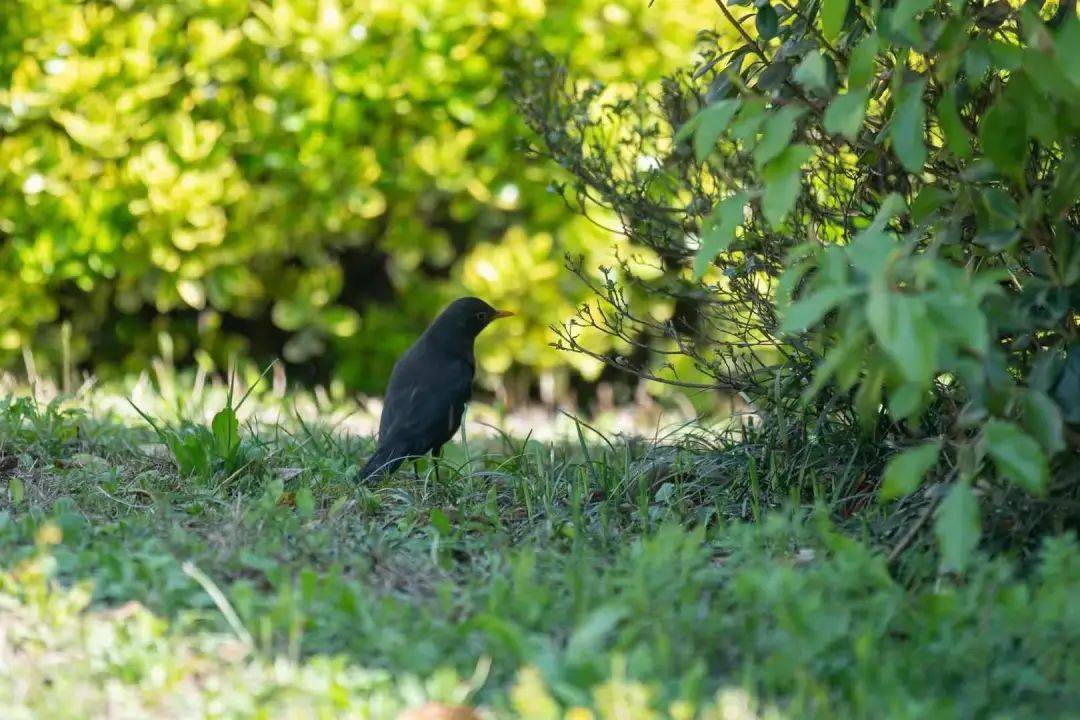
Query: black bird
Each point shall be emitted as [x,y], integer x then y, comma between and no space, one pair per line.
[429,387]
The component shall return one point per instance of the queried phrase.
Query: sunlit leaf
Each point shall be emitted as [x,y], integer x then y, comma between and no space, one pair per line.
[833,13]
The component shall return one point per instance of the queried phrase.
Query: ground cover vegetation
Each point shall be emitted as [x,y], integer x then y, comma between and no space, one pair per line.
[209,569]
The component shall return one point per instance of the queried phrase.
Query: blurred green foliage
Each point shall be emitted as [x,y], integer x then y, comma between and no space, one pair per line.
[309,177]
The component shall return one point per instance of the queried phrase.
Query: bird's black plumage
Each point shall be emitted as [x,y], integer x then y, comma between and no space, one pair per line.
[429,387]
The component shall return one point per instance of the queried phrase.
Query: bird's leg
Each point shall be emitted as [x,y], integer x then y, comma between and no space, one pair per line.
[436,456]
[416,468]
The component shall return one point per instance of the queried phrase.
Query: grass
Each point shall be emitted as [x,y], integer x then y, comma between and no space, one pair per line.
[204,568]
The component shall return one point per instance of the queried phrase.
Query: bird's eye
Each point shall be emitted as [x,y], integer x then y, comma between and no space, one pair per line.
[481,316]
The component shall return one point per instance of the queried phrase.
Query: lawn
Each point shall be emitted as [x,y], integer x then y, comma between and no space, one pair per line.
[212,568]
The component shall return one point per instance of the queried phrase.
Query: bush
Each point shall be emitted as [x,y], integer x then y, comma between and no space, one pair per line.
[312,178]
[869,219]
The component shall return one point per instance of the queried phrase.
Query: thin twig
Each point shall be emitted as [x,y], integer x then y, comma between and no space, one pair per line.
[909,537]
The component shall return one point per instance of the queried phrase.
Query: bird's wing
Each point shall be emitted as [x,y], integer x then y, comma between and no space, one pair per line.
[424,402]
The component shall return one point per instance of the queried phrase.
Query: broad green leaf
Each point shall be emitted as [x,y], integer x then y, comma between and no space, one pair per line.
[905,472]
[1067,389]
[776,133]
[714,120]
[767,22]
[959,318]
[929,200]
[588,635]
[957,138]
[873,247]
[783,177]
[809,310]
[16,490]
[750,117]
[861,67]
[906,332]
[903,19]
[843,360]
[226,430]
[1042,420]
[720,231]
[1067,47]
[305,502]
[908,400]
[1003,136]
[441,522]
[845,114]
[868,396]
[833,13]
[908,127]
[1017,455]
[956,526]
[812,73]
[687,128]
[1066,190]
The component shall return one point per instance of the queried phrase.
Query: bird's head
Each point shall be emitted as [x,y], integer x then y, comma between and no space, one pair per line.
[469,316]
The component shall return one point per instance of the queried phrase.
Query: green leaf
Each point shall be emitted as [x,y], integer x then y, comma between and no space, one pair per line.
[929,200]
[843,360]
[749,120]
[783,177]
[714,120]
[720,231]
[957,138]
[956,526]
[905,472]
[846,112]
[226,430]
[305,502]
[874,245]
[1065,46]
[908,127]
[589,635]
[809,310]
[1003,136]
[440,522]
[1042,419]
[1017,455]
[1066,189]
[767,22]
[861,67]
[908,400]
[687,128]
[833,13]
[868,397]
[812,73]
[776,134]
[16,490]
[906,332]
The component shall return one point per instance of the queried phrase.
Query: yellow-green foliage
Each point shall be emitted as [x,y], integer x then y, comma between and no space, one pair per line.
[221,171]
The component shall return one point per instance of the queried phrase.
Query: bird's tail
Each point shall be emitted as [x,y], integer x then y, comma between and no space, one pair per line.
[385,460]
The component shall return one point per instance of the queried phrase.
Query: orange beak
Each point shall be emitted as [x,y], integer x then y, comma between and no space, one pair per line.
[502,314]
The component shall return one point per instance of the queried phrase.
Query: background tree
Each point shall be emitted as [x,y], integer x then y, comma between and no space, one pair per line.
[304,177]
